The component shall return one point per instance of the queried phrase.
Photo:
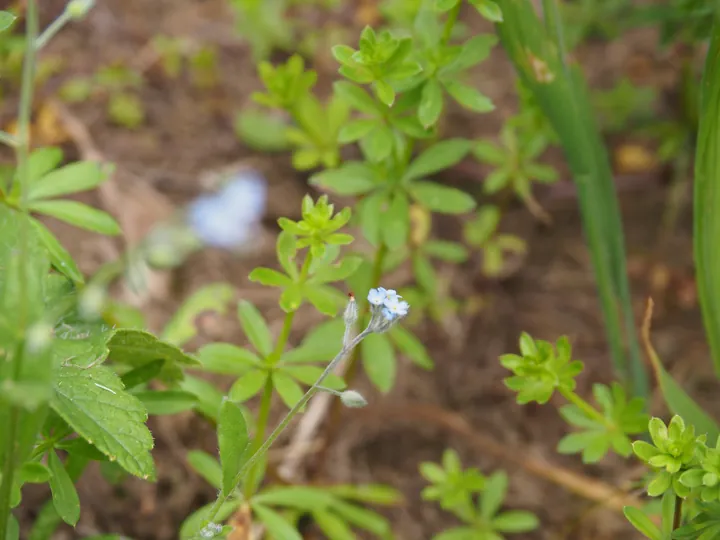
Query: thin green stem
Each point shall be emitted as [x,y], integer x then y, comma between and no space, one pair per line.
[262,422]
[677,516]
[8,139]
[22,151]
[284,423]
[450,23]
[584,406]
[266,400]
[53,29]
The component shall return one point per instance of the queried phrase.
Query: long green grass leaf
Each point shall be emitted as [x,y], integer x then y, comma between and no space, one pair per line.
[560,90]
[707,198]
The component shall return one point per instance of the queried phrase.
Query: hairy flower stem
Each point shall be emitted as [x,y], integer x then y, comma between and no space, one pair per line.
[22,152]
[284,423]
[266,400]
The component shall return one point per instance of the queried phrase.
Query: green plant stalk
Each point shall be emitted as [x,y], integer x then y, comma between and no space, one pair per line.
[562,94]
[707,197]
[22,152]
[8,139]
[266,400]
[450,22]
[677,514]
[284,423]
[584,406]
[53,29]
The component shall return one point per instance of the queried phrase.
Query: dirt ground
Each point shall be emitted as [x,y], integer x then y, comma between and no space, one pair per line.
[462,404]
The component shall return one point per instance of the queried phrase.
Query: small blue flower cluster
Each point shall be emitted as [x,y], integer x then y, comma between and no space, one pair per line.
[228,219]
[388,303]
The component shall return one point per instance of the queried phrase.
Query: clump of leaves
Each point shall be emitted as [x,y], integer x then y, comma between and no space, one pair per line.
[118,85]
[177,53]
[623,105]
[515,164]
[481,233]
[474,499]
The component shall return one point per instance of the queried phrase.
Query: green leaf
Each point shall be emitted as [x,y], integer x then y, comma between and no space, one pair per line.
[289,390]
[379,361]
[378,144]
[190,528]
[356,130]
[162,402]
[141,375]
[6,20]
[248,385]
[338,271]
[73,178]
[494,494]
[707,198]
[269,277]
[489,9]
[291,298]
[515,521]
[206,466]
[350,179]
[59,256]
[442,199]
[209,397]
[431,103]
[320,345]
[368,493]
[94,403]
[642,523]
[227,359]
[356,97]
[424,273]
[78,214]
[233,440]
[212,298]
[286,248]
[411,347]
[362,518]
[395,222]
[255,327]
[384,92]
[298,497]
[473,51]
[261,130]
[446,251]
[469,97]
[332,526]
[325,299]
[445,5]
[34,473]
[440,156]
[135,348]
[275,524]
[64,495]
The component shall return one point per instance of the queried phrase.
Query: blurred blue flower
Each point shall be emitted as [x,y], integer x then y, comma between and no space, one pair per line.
[229,219]
[377,296]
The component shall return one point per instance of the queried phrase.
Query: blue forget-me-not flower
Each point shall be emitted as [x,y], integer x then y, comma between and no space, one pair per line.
[387,308]
[229,219]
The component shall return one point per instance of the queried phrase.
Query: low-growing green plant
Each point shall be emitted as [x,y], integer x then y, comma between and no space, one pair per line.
[474,499]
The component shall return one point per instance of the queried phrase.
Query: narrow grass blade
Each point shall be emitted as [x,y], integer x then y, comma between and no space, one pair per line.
[560,90]
[706,233]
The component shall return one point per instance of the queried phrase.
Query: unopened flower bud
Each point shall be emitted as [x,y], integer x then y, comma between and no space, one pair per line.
[351,398]
[77,9]
[351,311]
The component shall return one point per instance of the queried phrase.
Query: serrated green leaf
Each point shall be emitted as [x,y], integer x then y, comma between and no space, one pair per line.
[233,440]
[59,256]
[206,466]
[64,495]
[78,214]
[163,402]
[73,178]
[93,401]
[442,199]
[379,361]
[213,298]
[255,328]
[440,156]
